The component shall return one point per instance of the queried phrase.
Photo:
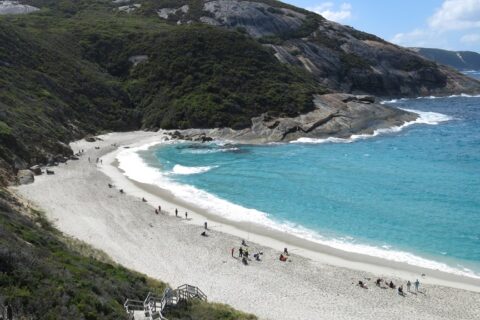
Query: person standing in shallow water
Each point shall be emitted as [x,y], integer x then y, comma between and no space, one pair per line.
[186,215]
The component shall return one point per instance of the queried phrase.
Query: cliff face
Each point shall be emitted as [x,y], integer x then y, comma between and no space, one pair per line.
[339,57]
[461,60]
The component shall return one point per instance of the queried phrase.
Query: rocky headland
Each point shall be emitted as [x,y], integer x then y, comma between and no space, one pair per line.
[336,115]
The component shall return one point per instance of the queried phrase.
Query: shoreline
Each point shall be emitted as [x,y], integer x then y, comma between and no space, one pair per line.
[277,239]
[79,202]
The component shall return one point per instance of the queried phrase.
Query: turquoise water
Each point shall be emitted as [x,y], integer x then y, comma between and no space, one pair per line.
[411,196]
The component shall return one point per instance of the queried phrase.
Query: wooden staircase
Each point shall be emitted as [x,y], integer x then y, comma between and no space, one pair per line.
[152,307]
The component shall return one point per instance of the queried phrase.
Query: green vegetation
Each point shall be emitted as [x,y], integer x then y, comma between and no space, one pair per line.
[197,310]
[66,72]
[45,275]
[40,275]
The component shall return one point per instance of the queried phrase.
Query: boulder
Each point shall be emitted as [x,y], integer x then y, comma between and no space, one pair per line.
[25,177]
[90,138]
[36,170]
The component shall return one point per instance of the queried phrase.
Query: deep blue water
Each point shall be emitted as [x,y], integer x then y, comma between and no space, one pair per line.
[416,191]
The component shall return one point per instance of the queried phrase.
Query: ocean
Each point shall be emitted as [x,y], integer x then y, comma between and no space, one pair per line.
[408,194]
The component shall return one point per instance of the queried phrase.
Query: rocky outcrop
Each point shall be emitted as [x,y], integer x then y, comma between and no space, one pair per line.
[258,19]
[339,57]
[15,7]
[335,115]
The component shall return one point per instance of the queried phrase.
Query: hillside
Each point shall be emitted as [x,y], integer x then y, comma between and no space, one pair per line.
[461,60]
[339,57]
[78,67]
[45,275]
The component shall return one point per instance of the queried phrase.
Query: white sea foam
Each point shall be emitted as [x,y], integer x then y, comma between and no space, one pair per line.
[431,118]
[462,95]
[135,168]
[179,169]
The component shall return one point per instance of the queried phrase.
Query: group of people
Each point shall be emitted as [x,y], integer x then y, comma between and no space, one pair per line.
[391,285]
[244,253]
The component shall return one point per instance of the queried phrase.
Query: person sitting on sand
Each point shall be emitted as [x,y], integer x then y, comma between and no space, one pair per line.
[204,234]
[391,285]
[110,185]
[283,258]
[362,285]
[285,251]
[144,200]
[121,190]
[244,260]
[379,282]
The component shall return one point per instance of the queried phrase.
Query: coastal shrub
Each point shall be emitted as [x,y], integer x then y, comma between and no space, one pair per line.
[41,276]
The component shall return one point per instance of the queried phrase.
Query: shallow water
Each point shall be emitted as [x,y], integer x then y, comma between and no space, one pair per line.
[411,196]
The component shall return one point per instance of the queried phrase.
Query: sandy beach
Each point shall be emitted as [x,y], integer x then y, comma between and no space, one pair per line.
[318,282]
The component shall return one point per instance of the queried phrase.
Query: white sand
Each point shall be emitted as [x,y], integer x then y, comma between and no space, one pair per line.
[319,282]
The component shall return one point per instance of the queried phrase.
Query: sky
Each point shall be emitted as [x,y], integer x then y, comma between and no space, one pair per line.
[445,24]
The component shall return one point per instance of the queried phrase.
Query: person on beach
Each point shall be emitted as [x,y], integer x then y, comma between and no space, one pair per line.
[160,209]
[246,253]
[186,215]
[101,161]
[121,190]
[378,282]
[409,284]
[205,225]
[88,159]
[176,212]
[144,200]
[362,285]
[240,252]
[97,160]
[233,251]
[283,258]
[391,285]
[156,211]
[244,243]
[285,251]
[400,291]
[417,284]
[204,234]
